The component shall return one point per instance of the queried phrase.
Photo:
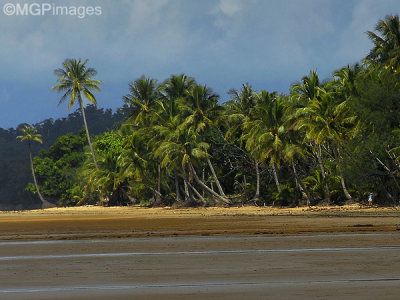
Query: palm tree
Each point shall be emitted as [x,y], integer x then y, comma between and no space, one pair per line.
[181,149]
[346,123]
[239,110]
[386,48]
[75,81]
[306,109]
[204,111]
[186,112]
[30,134]
[142,97]
[142,104]
[291,153]
[172,99]
[264,131]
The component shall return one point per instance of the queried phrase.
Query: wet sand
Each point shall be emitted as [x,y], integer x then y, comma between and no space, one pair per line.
[218,253]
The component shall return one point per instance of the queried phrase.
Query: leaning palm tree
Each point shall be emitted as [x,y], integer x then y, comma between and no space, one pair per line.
[204,111]
[75,81]
[30,134]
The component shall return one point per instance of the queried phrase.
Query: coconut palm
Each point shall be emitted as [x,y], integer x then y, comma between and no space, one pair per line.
[292,152]
[386,48]
[30,134]
[142,97]
[142,105]
[264,131]
[179,142]
[176,88]
[239,110]
[347,124]
[76,81]
[182,149]
[203,112]
[306,106]
[173,97]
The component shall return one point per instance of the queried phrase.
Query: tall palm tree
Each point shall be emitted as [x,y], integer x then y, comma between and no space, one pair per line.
[76,81]
[264,131]
[172,99]
[142,104]
[346,122]
[186,112]
[239,110]
[30,134]
[386,48]
[307,104]
[203,112]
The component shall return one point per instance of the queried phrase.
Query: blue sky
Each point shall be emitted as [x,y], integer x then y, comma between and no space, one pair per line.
[222,43]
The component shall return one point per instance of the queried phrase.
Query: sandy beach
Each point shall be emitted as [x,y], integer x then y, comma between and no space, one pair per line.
[113,222]
[199,253]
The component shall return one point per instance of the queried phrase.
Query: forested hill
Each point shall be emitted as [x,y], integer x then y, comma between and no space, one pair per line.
[15,173]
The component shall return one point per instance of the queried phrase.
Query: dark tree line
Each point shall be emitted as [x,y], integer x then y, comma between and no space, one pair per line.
[15,171]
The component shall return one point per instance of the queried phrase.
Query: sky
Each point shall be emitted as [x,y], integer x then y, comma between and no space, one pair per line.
[269,44]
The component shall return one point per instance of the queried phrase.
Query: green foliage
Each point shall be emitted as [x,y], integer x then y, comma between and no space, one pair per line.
[57,168]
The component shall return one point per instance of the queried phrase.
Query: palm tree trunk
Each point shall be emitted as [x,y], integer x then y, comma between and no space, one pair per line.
[158,195]
[321,166]
[390,173]
[203,178]
[45,203]
[188,191]
[205,187]
[342,182]
[345,191]
[387,192]
[276,177]
[87,132]
[303,188]
[257,194]
[178,194]
[198,194]
[221,191]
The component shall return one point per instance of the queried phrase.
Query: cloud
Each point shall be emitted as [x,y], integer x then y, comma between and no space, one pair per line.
[222,43]
[229,7]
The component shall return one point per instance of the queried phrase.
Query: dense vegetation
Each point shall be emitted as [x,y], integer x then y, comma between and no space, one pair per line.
[15,171]
[329,142]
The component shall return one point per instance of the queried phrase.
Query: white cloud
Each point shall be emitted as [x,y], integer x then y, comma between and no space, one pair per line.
[230,7]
